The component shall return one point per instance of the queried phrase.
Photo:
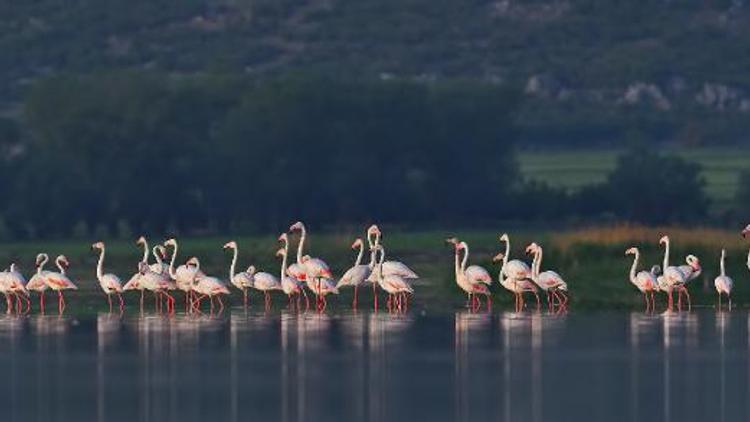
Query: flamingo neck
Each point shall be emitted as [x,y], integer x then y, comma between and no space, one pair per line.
[748,259]
[145,251]
[721,263]
[172,272]
[283,264]
[666,254]
[465,259]
[301,245]
[156,255]
[507,252]
[456,263]
[359,255]
[232,266]
[634,267]
[45,258]
[100,265]
[58,262]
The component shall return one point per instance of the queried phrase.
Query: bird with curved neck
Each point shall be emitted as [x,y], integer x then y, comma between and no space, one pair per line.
[206,286]
[134,282]
[158,283]
[745,233]
[723,283]
[549,281]
[517,287]
[390,267]
[357,274]
[110,283]
[289,285]
[13,285]
[288,281]
[59,281]
[184,275]
[38,282]
[513,269]
[644,281]
[473,280]
[242,280]
[673,278]
[315,269]
[396,286]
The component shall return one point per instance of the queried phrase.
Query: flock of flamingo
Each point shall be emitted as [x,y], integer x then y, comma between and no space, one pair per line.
[395,278]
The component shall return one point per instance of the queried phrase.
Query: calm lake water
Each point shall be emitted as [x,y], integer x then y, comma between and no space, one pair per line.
[377,367]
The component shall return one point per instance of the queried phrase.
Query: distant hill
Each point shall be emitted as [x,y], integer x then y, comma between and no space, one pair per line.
[592,70]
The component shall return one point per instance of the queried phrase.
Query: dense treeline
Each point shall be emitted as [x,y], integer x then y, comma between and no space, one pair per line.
[148,152]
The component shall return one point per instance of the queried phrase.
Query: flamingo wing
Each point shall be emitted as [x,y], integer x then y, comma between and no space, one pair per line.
[516,269]
[111,283]
[355,276]
[477,274]
[398,268]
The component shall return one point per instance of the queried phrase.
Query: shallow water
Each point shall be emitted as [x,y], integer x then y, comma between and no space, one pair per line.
[375,367]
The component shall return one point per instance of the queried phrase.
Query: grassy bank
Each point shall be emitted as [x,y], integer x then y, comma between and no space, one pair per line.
[591,260]
[572,169]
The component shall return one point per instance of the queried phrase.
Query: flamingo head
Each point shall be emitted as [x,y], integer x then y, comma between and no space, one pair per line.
[39,258]
[453,241]
[532,248]
[296,226]
[140,241]
[193,262]
[171,242]
[462,245]
[142,267]
[664,239]
[746,231]
[251,270]
[373,230]
[656,269]
[305,258]
[283,237]
[281,252]
[357,243]
[499,257]
[230,245]
[98,245]
[631,251]
[162,251]
[504,237]
[63,260]
[693,261]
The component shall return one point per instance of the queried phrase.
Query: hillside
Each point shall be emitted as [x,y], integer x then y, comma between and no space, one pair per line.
[592,71]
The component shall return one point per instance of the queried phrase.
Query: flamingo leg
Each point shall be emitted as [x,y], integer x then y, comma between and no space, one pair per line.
[354,302]
[374,296]
[109,300]
[244,294]
[122,302]
[41,301]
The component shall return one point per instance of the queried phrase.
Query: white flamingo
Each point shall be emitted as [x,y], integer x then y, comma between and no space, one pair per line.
[38,282]
[206,286]
[723,283]
[242,280]
[12,283]
[672,277]
[517,287]
[549,281]
[266,283]
[315,269]
[395,285]
[289,285]
[158,283]
[472,279]
[357,274]
[745,233]
[513,269]
[184,275]
[110,283]
[389,267]
[59,281]
[645,281]
[134,282]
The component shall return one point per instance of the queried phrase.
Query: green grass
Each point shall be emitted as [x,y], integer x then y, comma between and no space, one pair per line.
[573,169]
[592,262]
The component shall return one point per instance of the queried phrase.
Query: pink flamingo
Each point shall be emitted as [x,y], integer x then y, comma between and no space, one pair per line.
[396,286]
[184,275]
[473,280]
[59,281]
[38,282]
[517,287]
[673,278]
[242,280]
[206,286]
[290,285]
[549,281]
[158,283]
[645,281]
[110,283]
[358,274]
[315,269]
[723,283]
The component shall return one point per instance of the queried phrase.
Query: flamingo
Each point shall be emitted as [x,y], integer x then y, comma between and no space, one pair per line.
[357,274]
[5,290]
[110,283]
[133,283]
[266,283]
[472,280]
[691,271]
[289,285]
[156,282]
[549,281]
[645,281]
[315,269]
[517,287]
[206,286]
[59,281]
[672,276]
[395,285]
[745,232]
[184,275]
[38,282]
[723,283]
[13,282]
[242,280]
[389,267]
[513,269]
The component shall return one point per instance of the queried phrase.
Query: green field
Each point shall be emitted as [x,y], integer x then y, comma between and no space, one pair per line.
[572,169]
[592,262]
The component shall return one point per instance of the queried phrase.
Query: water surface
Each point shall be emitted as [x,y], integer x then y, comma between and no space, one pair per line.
[614,366]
